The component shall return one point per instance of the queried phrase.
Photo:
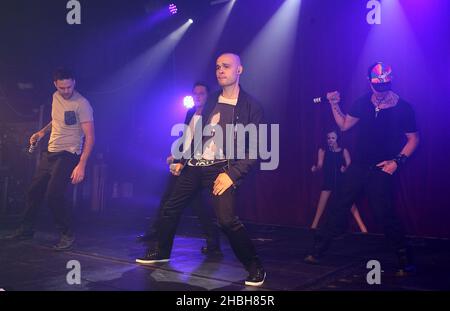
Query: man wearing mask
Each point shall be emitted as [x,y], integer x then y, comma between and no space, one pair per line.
[387,137]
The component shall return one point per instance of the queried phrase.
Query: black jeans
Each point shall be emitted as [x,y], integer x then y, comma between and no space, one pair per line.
[190,182]
[378,186]
[209,227]
[50,183]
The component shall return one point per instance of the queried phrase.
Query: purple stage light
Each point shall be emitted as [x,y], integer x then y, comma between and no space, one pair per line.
[173,9]
[188,102]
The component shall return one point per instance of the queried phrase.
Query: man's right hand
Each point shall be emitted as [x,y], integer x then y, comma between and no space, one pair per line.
[334,97]
[176,168]
[36,137]
[170,159]
[316,168]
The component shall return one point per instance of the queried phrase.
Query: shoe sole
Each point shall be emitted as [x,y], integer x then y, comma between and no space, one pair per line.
[142,261]
[311,260]
[248,283]
[62,249]
[67,248]
[213,254]
[404,274]
[144,240]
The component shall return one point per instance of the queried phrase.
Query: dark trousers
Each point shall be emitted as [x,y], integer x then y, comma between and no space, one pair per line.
[50,183]
[209,227]
[378,186]
[190,182]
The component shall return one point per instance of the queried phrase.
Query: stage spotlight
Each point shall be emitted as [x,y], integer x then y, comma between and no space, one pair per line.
[188,102]
[146,65]
[220,1]
[190,21]
[282,27]
[173,9]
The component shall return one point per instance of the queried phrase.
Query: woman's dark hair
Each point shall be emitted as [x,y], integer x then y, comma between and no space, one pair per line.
[336,131]
[324,145]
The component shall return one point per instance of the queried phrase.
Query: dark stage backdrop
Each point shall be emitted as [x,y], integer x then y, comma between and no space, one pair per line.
[330,49]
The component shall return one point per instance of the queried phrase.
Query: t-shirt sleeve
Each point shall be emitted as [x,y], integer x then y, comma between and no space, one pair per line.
[85,112]
[409,124]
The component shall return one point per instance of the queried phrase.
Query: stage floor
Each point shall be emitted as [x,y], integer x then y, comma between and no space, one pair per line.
[106,250]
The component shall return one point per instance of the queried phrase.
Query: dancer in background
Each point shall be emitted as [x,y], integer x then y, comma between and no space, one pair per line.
[333,161]
[211,231]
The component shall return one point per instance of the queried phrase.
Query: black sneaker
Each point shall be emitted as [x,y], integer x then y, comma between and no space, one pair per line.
[143,238]
[406,265]
[65,243]
[152,256]
[321,245]
[312,260]
[406,271]
[21,235]
[256,276]
[211,251]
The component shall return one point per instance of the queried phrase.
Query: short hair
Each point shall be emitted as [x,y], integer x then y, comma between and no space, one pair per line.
[200,83]
[62,73]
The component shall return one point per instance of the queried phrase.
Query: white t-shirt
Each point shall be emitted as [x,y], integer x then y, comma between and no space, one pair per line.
[213,153]
[190,134]
[67,114]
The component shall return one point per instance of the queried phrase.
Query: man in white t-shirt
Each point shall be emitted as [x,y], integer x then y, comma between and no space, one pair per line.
[71,142]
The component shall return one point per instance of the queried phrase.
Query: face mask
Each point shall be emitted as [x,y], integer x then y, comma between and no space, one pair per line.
[380,73]
[382,87]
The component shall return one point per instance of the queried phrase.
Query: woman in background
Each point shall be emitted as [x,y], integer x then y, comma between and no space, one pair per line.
[334,162]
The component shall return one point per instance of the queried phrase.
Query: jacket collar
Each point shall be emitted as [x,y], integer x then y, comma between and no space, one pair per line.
[213,99]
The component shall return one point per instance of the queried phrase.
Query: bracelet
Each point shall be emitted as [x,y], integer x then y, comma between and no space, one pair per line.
[400,159]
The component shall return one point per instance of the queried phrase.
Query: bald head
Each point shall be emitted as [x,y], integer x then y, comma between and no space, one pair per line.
[232,56]
[228,69]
